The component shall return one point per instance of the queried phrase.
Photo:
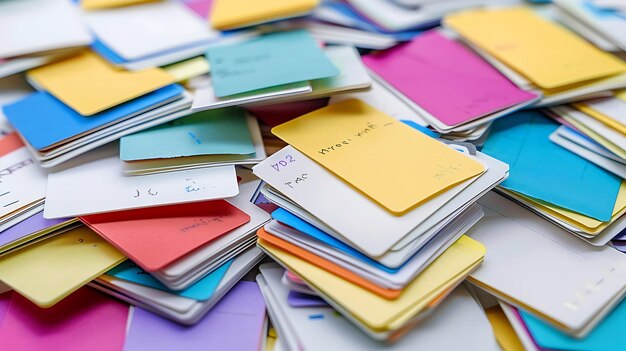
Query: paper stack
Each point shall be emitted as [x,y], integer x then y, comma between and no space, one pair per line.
[88,103]
[506,37]
[241,75]
[26,47]
[337,247]
[600,22]
[593,212]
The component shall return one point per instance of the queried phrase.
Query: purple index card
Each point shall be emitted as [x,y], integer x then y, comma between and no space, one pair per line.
[235,323]
[296,299]
[28,226]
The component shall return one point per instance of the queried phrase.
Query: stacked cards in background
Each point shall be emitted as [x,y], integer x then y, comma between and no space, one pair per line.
[538,268]
[78,120]
[188,306]
[23,183]
[232,14]
[599,23]
[26,47]
[575,71]
[594,130]
[204,139]
[244,72]
[593,212]
[395,16]
[320,327]
[169,32]
[338,247]
[351,78]
[424,73]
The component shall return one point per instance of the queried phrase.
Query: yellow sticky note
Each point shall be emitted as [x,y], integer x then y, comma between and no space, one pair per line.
[588,109]
[229,14]
[103,4]
[379,313]
[502,329]
[545,53]
[587,224]
[188,69]
[392,163]
[50,270]
[89,84]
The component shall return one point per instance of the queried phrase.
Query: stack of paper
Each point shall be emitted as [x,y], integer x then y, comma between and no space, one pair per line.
[594,130]
[594,212]
[561,65]
[40,32]
[242,73]
[337,247]
[410,14]
[319,327]
[23,182]
[154,33]
[181,278]
[87,102]
[424,73]
[598,23]
[204,139]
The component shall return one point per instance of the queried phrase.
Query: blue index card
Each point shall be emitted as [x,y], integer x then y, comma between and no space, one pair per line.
[289,219]
[202,290]
[267,61]
[212,132]
[606,336]
[422,129]
[46,122]
[547,172]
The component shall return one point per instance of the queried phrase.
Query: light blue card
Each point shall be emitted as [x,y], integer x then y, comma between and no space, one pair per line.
[606,336]
[213,132]
[267,61]
[287,218]
[545,171]
[44,121]
[201,290]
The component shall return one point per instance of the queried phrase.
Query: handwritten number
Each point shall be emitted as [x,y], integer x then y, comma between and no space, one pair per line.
[283,163]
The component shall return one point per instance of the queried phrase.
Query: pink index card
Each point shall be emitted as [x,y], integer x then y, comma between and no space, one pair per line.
[85,320]
[448,80]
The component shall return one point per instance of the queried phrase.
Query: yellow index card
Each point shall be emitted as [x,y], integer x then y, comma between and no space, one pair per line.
[502,329]
[187,69]
[392,163]
[52,269]
[229,14]
[545,53]
[609,121]
[89,84]
[103,4]
[379,313]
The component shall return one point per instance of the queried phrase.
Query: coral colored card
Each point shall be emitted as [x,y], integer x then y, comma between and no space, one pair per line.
[155,237]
